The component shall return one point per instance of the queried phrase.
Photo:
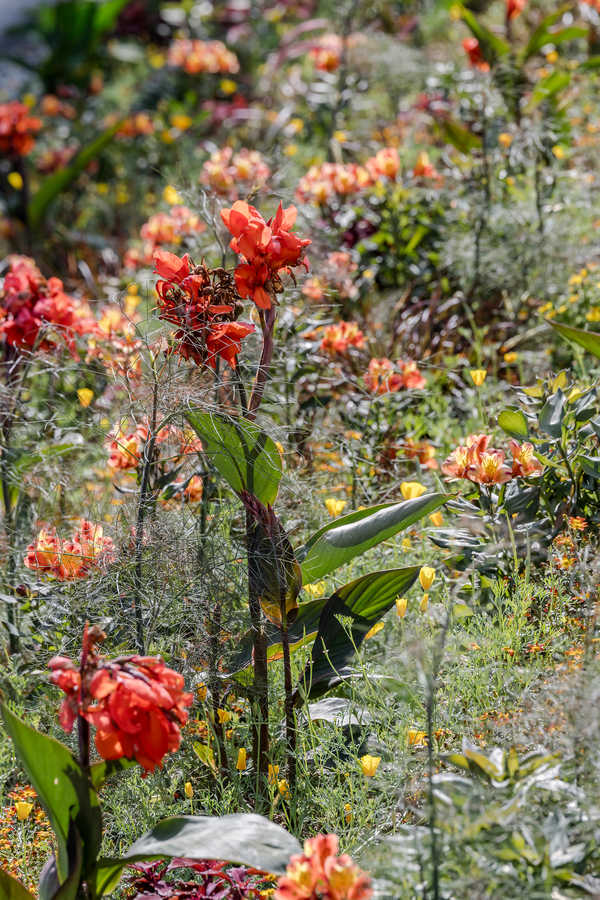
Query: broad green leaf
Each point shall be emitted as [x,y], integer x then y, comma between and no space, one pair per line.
[59,181]
[589,340]
[346,618]
[340,541]
[548,87]
[590,465]
[514,423]
[100,771]
[541,35]
[460,137]
[552,414]
[50,887]
[246,457]
[11,889]
[242,838]
[61,787]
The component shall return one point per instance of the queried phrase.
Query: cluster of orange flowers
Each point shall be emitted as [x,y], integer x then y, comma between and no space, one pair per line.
[52,106]
[136,703]
[326,53]
[125,448]
[383,377]
[335,274]
[482,464]
[30,303]
[195,56]
[322,182]
[66,560]
[338,338]
[163,228]
[320,872]
[472,48]
[265,248]
[115,342]
[231,174]
[138,125]
[17,129]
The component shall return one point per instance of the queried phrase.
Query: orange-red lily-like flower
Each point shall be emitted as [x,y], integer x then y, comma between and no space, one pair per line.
[338,338]
[136,703]
[67,560]
[321,873]
[489,468]
[204,305]
[514,8]
[382,377]
[17,129]
[460,461]
[266,247]
[524,462]
[472,48]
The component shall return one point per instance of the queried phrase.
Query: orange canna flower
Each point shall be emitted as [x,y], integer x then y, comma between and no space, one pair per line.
[473,50]
[339,338]
[381,377]
[69,559]
[17,129]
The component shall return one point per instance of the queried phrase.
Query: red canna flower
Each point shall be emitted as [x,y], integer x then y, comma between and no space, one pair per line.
[514,8]
[266,247]
[136,703]
[203,304]
[473,50]
[17,128]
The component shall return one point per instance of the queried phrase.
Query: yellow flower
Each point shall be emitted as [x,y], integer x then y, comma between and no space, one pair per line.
[340,136]
[85,396]
[283,787]
[224,716]
[290,149]
[401,606]
[182,122]
[347,813]
[315,590]
[167,137]
[412,489]
[241,760]
[369,765]
[424,603]
[15,179]
[335,507]
[511,357]
[552,56]
[505,139]
[228,86]
[102,187]
[188,790]
[456,12]
[23,810]
[406,544]
[29,100]
[273,773]
[374,630]
[201,691]
[296,125]
[558,151]
[478,376]
[416,738]
[436,519]
[171,196]
[426,577]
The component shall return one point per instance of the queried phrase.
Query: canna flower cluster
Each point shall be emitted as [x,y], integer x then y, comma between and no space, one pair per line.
[514,8]
[324,182]
[383,377]
[203,304]
[115,342]
[17,129]
[163,228]
[30,303]
[336,275]
[67,560]
[266,248]
[231,174]
[321,873]
[338,338]
[482,464]
[195,56]
[136,703]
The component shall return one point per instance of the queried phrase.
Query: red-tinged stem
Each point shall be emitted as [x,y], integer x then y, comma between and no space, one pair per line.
[267,321]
